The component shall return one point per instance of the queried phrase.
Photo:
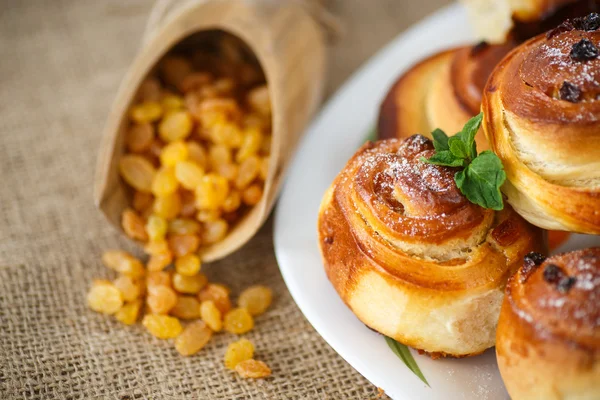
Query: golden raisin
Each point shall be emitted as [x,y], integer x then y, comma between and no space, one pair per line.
[252,194]
[197,154]
[164,182]
[211,192]
[250,145]
[174,69]
[129,313]
[189,284]
[238,321]
[219,155]
[214,231]
[130,289]
[148,111]
[171,102]
[156,227]
[194,337]
[149,90]
[158,262]
[248,171]
[104,297]
[176,125]
[142,201]
[156,247]
[194,81]
[188,204]
[187,307]
[139,137]
[253,369]
[168,206]
[189,174]
[211,315]
[161,299]
[182,245]
[232,202]
[158,278]
[162,326]
[228,171]
[188,265]
[133,225]
[137,171]
[208,215]
[237,352]
[256,299]
[183,226]
[173,153]
[258,99]
[219,294]
[123,262]
[264,168]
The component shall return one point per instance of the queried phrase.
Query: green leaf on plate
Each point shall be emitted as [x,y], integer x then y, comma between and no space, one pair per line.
[404,354]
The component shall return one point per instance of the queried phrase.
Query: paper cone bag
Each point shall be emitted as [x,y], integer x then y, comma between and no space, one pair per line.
[289,46]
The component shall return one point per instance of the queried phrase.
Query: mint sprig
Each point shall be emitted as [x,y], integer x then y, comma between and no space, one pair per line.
[404,354]
[482,174]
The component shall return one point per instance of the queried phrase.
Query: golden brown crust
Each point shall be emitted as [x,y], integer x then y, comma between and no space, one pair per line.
[549,143]
[548,339]
[411,256]
[442,91]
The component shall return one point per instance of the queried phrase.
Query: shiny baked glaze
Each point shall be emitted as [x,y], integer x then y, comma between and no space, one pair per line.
[548,340]
[387,213]
[550,147]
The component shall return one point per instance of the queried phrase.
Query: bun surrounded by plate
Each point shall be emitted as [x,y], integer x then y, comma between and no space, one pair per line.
[542,118]
[411,256]
[548,339]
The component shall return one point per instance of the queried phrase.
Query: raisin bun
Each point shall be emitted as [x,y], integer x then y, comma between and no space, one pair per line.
[548,339]
[541,111]
[411,256]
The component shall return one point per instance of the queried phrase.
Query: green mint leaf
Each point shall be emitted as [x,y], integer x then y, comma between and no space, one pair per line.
[458,148]
[440,140]
[444,158]
[480,181]
[467,135]
[405,355]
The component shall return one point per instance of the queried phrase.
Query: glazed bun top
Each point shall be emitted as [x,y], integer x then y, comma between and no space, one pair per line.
[560,295]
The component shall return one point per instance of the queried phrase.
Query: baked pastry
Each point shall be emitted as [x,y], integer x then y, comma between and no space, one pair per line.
[411,256]
[442,91]
[541,111]
[495,20]
[548,339]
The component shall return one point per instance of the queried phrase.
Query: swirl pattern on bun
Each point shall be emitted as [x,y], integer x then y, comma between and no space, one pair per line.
[542,118]
[411,256]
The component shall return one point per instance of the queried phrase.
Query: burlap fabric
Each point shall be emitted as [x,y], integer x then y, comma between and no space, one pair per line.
[61,62]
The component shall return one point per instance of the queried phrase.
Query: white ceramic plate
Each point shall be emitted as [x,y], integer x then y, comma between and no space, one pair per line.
[333,137]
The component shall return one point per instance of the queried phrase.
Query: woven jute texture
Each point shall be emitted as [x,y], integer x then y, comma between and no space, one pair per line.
[61,63]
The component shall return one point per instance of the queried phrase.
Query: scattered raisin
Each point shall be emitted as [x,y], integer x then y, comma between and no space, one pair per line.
[328,239]
[237,352]
[565,284]
[564,27]
[584,50]
[253,369]
[552,273]
[570,92]
[530,262]
[590,22]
